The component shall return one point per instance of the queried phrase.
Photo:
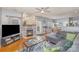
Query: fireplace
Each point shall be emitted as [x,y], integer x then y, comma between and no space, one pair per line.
[29,32]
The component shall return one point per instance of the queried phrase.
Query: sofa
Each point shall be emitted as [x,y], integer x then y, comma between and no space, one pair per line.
[75,46]
[64,42]
[56,37]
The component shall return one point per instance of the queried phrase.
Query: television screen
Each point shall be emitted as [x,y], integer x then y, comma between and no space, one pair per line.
[10,30]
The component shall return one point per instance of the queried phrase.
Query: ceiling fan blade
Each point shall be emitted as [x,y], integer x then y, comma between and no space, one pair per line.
[38,9]
[46,8]
[43,10]
[47,11]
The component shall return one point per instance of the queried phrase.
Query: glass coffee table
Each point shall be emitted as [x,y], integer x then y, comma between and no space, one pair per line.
[34,41]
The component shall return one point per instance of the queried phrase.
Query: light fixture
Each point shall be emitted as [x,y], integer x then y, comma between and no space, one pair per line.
[42,12]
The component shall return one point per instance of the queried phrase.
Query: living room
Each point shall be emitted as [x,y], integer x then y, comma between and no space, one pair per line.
[39,29]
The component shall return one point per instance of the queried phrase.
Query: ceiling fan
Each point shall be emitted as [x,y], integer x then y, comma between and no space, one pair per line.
[43,10]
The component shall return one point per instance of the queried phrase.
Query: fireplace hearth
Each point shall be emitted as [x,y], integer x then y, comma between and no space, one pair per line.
[29,32]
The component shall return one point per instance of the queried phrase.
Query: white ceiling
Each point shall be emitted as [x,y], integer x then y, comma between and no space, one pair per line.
[53,11]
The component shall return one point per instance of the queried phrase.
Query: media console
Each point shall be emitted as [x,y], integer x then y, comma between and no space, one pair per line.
[10,34]
[9,39]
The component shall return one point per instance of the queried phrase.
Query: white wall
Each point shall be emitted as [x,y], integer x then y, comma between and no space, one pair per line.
[8,12]
[70,29]
[0,25]
[9,17]
[43,21]
[62,20]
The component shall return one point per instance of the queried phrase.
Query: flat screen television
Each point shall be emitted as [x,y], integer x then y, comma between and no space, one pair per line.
[8,30]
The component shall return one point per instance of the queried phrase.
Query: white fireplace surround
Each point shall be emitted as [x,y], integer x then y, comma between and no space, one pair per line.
[24,30]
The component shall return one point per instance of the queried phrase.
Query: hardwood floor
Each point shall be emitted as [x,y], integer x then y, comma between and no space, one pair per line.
[15,46]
